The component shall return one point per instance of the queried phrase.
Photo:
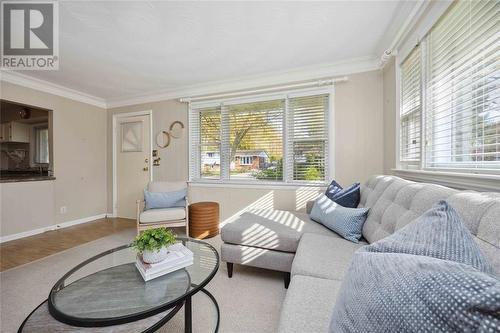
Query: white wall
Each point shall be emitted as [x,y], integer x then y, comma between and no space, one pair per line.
[234,200]
[26,206]
[359,148]
[390,109]
[79,154]
[359,128]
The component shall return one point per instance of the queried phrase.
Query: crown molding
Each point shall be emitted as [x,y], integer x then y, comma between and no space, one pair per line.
[357,65]
[51,88]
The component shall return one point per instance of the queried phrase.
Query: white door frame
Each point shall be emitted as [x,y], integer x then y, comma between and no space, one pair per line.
[116,116]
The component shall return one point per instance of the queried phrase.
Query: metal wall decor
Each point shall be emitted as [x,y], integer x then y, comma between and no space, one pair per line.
[163,139]
[175,131]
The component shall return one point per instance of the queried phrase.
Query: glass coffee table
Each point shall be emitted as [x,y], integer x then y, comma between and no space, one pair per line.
[106,293]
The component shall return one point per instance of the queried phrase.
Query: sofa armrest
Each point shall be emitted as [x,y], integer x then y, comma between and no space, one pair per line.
[309,206]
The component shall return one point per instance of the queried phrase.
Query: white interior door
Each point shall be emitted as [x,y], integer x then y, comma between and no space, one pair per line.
[133,162]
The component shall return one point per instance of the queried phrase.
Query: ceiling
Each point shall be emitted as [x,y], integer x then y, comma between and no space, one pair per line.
[116,50]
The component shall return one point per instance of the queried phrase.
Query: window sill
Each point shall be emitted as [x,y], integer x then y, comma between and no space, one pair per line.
[462,181]
[261,186]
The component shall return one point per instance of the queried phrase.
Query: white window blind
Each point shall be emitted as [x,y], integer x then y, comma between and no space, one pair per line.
[411,107]
[463,88]
[205,132]
[307,139]
[454,83]
[277,140]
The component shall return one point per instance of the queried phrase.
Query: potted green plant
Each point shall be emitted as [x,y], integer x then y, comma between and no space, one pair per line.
[153,244]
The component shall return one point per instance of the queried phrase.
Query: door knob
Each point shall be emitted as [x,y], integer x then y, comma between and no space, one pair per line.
[145,169]
[146,160]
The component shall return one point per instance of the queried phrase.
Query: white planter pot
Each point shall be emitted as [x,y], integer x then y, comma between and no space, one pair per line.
[152,257]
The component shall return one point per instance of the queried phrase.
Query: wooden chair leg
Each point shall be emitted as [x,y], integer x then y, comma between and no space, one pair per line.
[287,279]
[230,269]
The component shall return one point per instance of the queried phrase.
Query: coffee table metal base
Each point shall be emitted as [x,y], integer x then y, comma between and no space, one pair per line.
[188,313]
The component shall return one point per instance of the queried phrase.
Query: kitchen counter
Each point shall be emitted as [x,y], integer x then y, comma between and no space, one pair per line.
[26,178]
[19,176]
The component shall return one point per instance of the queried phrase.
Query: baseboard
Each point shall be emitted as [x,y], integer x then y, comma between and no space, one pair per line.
[33,232]
[79,221]
[24,234]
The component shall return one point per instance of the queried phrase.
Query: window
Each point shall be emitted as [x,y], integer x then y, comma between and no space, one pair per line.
[308,137]
[41,145]
[278,140]
[460,92]
[245,160]
[256,132]
[209,143]
[411,107]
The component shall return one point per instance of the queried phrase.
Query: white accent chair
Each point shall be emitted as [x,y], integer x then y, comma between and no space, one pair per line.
[163,217]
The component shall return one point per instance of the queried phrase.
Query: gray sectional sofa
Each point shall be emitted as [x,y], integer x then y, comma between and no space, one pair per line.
[315,259]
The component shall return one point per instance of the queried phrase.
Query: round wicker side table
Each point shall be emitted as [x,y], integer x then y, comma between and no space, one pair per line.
[203,219]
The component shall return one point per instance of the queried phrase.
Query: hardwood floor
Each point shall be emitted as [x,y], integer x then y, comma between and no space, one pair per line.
[25,250]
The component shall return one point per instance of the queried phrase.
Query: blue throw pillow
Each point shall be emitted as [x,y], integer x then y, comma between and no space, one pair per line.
[347,222]
[347,197]
[165,199]
[430,276]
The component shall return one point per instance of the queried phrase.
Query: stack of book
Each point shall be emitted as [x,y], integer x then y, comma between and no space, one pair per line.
[178,257]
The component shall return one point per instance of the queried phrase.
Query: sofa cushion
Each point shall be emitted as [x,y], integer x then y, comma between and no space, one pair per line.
[257,257]
[395,202]
[271,229]
[154,200]
[398,204]
[440,233]
[481,215]
[323,256]
[308,305]
[346,197]
[162,214]
[347,222]
[429,276]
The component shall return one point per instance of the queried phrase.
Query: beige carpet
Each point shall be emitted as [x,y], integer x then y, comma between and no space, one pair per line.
[249,302]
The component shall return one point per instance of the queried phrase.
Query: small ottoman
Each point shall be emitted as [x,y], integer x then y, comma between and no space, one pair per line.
[266,238]
[203,219]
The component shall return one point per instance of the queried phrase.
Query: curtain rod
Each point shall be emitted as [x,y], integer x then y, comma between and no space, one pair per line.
[315,83]
[403,32]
